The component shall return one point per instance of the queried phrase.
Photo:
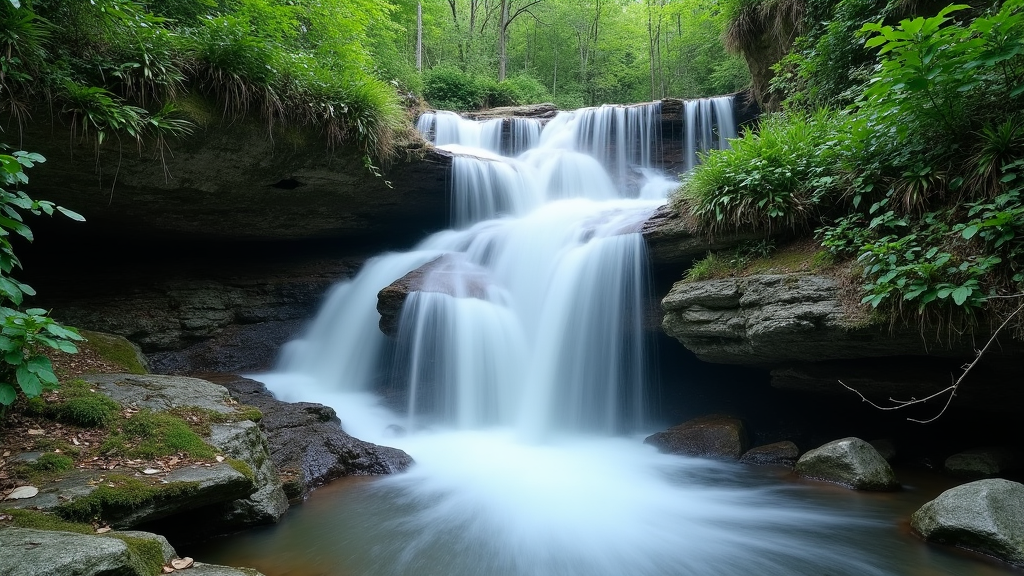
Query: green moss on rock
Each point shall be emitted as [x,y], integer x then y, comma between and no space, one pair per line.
[116,349]
[148,434]
[21,518]
[146,557]
[121,494]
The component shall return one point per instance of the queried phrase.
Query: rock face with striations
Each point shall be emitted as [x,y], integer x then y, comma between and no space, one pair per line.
[986,516]
[713,436]
[672,238]
[237,182]
[445,275]
[308,444]
[849,462]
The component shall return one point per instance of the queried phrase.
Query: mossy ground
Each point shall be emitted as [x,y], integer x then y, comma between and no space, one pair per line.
[42,521]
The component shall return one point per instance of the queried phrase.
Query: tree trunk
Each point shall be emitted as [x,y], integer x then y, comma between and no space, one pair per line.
[502,40]
[419,37]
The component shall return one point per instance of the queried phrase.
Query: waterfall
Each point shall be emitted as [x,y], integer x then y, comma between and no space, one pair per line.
[708,124]
[519,373]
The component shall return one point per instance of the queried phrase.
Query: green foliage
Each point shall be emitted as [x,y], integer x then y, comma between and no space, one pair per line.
[148,434]
[771,179]
[119,495]
[23,333]
[449,88]
[51,462]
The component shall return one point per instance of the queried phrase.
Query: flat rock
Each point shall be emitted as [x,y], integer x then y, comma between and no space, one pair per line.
[29,552]
[783,453]
[714,436]
[161,393]
[986,516]
[982,462]
[307,440]
[849,462]
[23,492]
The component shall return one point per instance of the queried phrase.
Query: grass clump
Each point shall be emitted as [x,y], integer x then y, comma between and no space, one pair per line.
[52,462]
[81,406]
[120,495]
[148,434]
[43,521]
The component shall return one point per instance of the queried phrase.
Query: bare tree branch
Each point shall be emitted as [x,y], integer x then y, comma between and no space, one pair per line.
[952,389]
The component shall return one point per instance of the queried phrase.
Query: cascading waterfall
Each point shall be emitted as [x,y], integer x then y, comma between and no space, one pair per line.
[519,358]
[709,123]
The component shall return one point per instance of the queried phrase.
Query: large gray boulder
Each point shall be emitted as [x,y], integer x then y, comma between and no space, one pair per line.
[985,516]
[714,436]
[159,393]
[849,462]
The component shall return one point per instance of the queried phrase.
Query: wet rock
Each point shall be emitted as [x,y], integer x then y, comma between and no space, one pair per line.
[672,237]
[783,453]
[982,462]
[849,462]
[306,441]
[714,436]
[986,516]
[245,442]
[445,275]
[158,392]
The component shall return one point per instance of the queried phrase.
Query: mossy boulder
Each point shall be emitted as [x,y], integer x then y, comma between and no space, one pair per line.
[982,462]
[714,436]
[30,552]
[117,349]
[849,462]
[986,516]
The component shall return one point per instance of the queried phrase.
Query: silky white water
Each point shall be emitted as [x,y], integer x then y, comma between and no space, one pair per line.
[522,368]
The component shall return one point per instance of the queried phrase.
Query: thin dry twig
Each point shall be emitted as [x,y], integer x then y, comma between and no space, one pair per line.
[900,404]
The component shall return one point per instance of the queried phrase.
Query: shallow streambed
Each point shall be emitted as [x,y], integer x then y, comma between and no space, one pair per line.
[486,504]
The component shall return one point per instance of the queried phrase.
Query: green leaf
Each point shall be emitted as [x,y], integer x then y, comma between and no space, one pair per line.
[961,294]
[969,232]
[7,392]
[71,214]
[37,364]
[29,382]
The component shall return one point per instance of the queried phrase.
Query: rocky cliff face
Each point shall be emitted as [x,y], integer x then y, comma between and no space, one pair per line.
[236,181]
[802,328]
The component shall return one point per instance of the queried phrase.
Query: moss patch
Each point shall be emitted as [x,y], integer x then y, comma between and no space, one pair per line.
[146,557]
[115,349]
[80,406]
[148,434]
[120,495]
[43,521]
[242,468]
[200,419]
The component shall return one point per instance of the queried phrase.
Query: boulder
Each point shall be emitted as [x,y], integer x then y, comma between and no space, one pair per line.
[982,462]
[29,552]
[446,274]
[986,516]
[159,393]
[307,443]
[783,453]
[714,436]
[544,111]
[849,462]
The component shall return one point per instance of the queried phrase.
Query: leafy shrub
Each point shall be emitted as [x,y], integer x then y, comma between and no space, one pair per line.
[449,88]
[775,178]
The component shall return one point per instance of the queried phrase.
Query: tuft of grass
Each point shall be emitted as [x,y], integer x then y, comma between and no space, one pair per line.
[43,521]
[148,434]
[119,495]
[91,411]
[53,462]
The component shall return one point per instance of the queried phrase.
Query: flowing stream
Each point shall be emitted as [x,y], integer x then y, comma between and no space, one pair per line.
[519,380]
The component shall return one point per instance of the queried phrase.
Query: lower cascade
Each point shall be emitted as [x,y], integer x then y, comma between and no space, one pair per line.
[519,380]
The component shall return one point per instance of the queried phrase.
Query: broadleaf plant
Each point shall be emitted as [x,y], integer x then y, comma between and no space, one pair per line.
[24,334]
